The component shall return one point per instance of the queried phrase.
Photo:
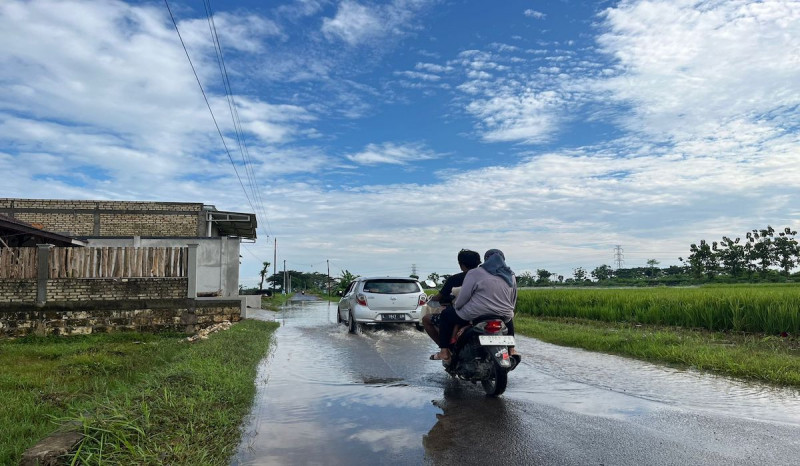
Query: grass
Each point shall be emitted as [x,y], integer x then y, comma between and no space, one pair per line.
[762,358]
[274,302]
[770,309]
[139,398]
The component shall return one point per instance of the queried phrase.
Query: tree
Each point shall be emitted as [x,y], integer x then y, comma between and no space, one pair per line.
[602,273]
[580,274]
[786,250]
[544,276]
[263,273]
[733,256]
[703,259]
[343,280]
[761,252]
[525,279]
[434,277]
[651,265]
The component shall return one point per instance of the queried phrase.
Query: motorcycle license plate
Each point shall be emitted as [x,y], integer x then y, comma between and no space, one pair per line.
[393,317]
[496,340]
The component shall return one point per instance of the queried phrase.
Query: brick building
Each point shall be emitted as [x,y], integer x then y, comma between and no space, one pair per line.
[141,224]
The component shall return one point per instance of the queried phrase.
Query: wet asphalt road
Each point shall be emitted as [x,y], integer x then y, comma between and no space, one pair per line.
[326,397]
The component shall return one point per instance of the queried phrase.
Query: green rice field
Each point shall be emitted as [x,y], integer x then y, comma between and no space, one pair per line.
[770,309]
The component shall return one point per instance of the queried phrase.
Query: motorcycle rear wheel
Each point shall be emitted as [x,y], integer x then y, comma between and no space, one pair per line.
[496,384]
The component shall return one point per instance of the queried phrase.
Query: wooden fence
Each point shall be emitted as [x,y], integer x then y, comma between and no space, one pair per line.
[18,263]
[100,262]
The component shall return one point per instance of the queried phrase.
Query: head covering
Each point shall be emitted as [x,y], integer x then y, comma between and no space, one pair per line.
[494,262]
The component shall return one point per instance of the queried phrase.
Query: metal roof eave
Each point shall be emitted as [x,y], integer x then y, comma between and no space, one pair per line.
[12,224]
[243,225]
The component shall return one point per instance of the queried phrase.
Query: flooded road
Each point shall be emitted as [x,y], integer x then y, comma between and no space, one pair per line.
[327,397]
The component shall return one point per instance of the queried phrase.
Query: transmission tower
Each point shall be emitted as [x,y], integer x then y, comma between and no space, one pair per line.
[619,258]
[414,270]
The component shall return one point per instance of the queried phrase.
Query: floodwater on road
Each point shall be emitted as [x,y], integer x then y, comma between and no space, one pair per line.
[328,397]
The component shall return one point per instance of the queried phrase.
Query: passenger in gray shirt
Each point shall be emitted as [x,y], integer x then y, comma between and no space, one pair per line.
[490,289]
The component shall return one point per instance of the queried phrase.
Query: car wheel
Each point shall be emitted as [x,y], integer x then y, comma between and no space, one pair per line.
[338,317]
[353,326]
[420,327]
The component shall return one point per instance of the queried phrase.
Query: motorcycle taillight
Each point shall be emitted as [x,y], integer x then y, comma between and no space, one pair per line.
[493,326]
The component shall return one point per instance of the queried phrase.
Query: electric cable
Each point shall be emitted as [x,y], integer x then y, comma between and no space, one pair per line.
[166,2]
[246,158]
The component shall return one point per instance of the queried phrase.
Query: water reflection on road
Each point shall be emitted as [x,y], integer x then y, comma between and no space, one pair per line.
[328,397]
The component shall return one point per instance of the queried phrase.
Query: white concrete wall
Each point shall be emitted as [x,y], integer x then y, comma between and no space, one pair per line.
[217,259]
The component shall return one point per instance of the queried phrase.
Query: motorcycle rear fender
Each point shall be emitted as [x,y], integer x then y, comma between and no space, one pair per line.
[500,354]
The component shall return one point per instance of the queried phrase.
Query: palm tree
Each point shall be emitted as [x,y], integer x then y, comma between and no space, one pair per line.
[263,273]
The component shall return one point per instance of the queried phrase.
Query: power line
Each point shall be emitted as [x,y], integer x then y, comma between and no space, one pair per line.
[237,124]
[166,2]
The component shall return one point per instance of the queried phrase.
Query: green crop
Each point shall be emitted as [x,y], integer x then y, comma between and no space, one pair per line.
[771,309]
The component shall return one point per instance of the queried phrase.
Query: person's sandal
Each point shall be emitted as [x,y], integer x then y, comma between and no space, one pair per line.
[436,357]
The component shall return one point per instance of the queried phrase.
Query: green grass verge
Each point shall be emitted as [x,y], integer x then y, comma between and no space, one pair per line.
[762,358]
[141,398]
[274,302]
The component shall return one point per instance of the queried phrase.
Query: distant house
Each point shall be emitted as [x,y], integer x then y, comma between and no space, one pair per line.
[27,222]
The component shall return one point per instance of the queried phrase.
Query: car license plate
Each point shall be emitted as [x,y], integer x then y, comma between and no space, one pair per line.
[393,317]
[496,340]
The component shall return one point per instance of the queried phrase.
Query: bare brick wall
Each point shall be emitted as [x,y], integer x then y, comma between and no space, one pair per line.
[107,218]
[183,315]
[18,290]
[74,223]
[64,290]
[110,289]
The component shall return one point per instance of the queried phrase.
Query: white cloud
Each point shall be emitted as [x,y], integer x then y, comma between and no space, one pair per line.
[433,68]
[356,24]
[688,67]
[391,153]
[243,33]
[418,75]
[530,117]
[534,14]
[353,23]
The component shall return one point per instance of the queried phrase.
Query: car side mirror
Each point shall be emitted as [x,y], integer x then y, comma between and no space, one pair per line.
[339,293]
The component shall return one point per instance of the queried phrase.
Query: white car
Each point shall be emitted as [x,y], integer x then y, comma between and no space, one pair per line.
[375,300]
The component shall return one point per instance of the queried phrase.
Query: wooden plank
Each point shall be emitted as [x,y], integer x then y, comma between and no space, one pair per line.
[130,254]
[137,263]
[87,262]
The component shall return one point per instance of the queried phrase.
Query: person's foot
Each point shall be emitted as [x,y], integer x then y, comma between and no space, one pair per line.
[442,355]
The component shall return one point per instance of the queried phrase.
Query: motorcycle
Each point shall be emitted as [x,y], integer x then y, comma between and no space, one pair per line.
[483,354]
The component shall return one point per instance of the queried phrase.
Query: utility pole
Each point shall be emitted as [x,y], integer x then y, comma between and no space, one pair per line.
[619,258]
[329,276]
[284,276]
[274,264]
[414,269]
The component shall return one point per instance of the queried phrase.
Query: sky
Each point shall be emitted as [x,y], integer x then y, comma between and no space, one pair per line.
[383,137]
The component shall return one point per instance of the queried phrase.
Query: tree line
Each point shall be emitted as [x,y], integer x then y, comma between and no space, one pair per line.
[761,255]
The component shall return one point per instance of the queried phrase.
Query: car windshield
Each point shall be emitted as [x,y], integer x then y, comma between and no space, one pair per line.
[391,286]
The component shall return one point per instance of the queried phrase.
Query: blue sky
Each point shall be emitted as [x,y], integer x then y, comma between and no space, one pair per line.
[385,134]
